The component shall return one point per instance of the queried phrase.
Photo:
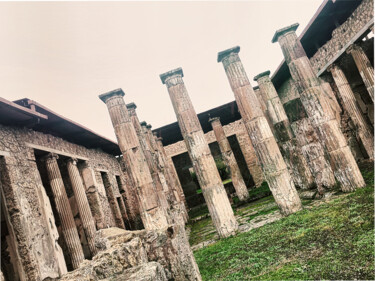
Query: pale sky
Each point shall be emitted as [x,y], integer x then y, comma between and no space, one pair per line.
[64,54]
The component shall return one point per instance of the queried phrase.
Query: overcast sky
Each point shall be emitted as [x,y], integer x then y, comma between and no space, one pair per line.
[64,54]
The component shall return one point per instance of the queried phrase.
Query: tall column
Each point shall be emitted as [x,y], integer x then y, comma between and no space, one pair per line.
[318,109]
[172,171]
[228,157]
[350,104]
[364,67]
[152,215]
[250,156]
[92,194]
[148,152]
[68,226]
[273,165]
[293,157]
[200,154]
[88,223]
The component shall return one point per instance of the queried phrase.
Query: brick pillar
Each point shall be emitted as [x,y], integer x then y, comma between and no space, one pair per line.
[318,109]
[228,157]
[364,132]
[364,67]
[68,226]
[148,152]
[293,157]
[92,194]
[115,209]
[250,156]
[88,223]
[172,172]
[152,215]
[199,152]
[273,165]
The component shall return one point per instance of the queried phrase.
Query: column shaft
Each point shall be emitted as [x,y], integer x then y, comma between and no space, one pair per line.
[123,210]
[68,226]
[350,104]
[318,110]
[295,161]
[88,223]
[273,165]
[228,157]
[250,156]
[364,67]
[199,152]
[152,214]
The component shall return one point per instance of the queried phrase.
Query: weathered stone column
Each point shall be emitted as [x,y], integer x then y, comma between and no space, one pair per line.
[152,215]
[123,210]
[365,134]
[172,171]
[318,109]
[250,156]
[228,157]
[92,195]
[148,153]
[68,226]
[364,67]
[200,154]
[293,157]
[112,201]
[88,223]
[273,165]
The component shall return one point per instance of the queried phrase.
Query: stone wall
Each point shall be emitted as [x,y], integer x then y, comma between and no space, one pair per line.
[342,35]
[28,207]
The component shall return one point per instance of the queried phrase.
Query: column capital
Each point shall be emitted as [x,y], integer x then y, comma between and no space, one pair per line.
[279,32]
[118,92]
[143,123]
[221,55]
[352,48]
[332,67]
[175,72]
[50,156]
[159,139]
[148,126]
[213,119]
[131,105]
[72,160]
[260,75]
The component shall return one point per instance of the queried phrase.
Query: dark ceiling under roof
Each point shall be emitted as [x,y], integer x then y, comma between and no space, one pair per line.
[28,113]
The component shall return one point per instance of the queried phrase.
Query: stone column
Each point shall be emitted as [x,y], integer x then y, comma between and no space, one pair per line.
[199,152]
[250,156]
[350,104]
[293,157]
[172,171]
[92,194]
[364,67]
[148,152]
[88,223]
[273,165]
[123,210]
[108,185]
[68,226]
[152,215]
[318,109]
[228,157]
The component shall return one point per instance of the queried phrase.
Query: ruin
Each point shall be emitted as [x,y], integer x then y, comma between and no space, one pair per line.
[78,206]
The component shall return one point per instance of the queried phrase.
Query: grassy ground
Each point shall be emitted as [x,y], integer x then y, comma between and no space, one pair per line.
[332,241]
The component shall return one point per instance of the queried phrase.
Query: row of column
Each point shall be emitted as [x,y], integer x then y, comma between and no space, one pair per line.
[68,226]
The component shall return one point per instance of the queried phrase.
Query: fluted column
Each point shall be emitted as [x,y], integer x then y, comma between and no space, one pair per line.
[88,223]
[148,152]
[318,109]
[200,155]
[229,160]
[68,226]
[250,156]
[364,67]
[273,165]
[293,157]
[152,215]
[365,134]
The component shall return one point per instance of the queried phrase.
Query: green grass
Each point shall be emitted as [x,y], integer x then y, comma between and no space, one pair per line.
[332,241]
